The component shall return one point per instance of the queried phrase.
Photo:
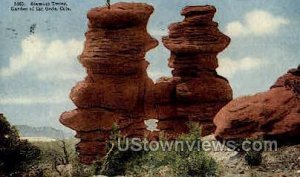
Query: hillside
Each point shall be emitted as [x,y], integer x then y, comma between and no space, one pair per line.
[49,132]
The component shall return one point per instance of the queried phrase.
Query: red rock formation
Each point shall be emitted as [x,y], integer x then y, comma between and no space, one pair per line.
[117,90]
[198,92]
[273,114]
[117,82]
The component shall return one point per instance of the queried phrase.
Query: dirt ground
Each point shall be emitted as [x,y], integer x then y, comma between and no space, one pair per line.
[283,162]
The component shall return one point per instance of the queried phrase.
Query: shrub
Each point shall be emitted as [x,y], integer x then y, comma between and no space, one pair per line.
[196,164]
[182,163]
[114,163]
[193,162]
[253,157]
[15,155]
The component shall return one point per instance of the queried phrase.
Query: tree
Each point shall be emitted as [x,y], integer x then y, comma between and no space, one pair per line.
[15,154]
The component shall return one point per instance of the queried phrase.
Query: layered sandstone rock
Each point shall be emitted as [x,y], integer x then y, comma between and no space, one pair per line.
[114,91]
[273,114]
[196,92]
[117,90]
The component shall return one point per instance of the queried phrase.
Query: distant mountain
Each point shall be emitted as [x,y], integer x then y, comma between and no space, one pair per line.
[49,132]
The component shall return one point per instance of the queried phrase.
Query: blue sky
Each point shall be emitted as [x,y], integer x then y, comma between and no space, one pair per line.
[35,81]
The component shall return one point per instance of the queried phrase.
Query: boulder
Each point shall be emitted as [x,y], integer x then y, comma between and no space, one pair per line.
[274,114]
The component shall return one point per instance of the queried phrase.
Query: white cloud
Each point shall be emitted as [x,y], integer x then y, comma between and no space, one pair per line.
[46,60]
[229,67]
[32,100]
[236,29]
[55,96]
[256,22]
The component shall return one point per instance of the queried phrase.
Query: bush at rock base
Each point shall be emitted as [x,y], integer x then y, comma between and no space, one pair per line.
[152,163]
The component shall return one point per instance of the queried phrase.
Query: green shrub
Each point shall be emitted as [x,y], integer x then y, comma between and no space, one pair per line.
[194,162]
[16,155]
[114,163]
[181,163]
[252,156]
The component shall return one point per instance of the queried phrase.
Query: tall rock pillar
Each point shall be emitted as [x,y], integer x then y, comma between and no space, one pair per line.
[198,91]
[114,91]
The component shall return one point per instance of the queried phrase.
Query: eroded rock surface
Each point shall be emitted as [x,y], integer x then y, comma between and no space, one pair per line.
[196,89]
[114,91]
[117,90]
[274,114]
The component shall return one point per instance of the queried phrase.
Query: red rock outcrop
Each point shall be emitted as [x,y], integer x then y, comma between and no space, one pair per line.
[114,91]
[117,90]
[274,114]
[197,92]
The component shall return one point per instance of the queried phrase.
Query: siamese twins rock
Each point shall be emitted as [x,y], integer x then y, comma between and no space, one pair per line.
[117,91]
